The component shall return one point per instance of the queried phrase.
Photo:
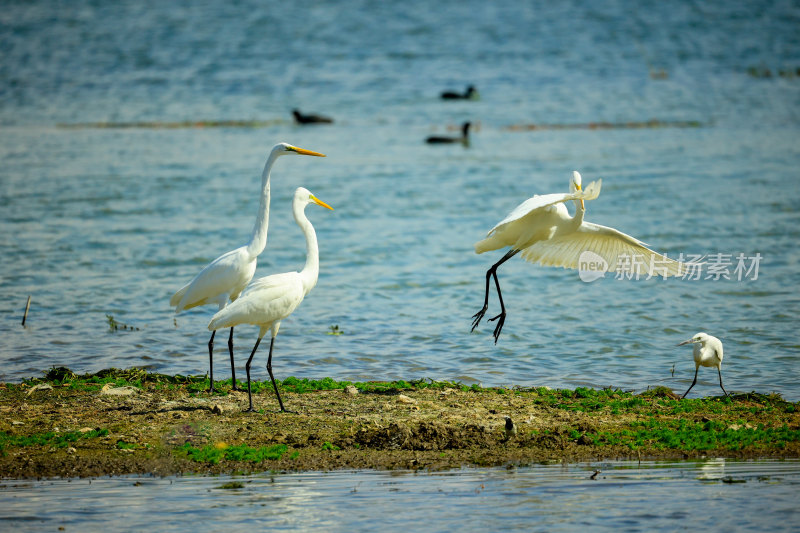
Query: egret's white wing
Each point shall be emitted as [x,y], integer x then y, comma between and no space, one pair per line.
[619,250]
[274,280]
[543,201]
[263,302]
[227,274]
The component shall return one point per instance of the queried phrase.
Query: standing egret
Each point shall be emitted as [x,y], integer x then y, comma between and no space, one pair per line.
[226,276]
[543,231]
[271,299]
[707,351]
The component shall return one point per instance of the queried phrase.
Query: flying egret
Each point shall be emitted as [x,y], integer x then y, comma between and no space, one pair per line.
[303,118]
[707,351]
[470,94]
[464,138]
[226,276]
[541,228]
[271,299]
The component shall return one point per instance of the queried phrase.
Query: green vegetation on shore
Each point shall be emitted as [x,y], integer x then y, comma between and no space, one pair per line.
[150,422]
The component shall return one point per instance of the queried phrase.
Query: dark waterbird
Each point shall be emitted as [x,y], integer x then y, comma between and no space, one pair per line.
[301,118]
[443,139]
[470,94]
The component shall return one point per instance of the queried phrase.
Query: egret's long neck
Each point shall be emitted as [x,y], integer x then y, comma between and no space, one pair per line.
[310,272]
[577,218]
[259,239]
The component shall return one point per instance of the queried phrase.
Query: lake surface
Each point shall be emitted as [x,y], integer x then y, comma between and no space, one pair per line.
[628,496]
[110,221]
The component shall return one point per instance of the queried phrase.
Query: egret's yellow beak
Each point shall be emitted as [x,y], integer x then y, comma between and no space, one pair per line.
[317,200]
[303,151]
[578,188]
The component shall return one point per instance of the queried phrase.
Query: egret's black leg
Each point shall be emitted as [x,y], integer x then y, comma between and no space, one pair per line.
[274,385]
[492,273]
[693,382]
[233,369]
[211,360]
[720,383]
[501,318]
[247,369]
[477,317]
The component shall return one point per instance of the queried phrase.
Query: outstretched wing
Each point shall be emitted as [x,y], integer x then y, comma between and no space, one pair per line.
[620,251]
[591,192]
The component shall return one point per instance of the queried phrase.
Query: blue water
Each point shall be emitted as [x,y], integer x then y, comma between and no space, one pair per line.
[111,221]
[624,496]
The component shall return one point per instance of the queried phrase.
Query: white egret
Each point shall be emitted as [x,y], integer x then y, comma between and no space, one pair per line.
[543,231]
[707,351]
[269,300]
[226,276]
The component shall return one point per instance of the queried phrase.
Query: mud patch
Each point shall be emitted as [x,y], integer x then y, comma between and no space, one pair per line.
[65,425]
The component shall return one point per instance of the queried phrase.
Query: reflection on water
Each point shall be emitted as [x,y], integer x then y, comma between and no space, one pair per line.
[713,495]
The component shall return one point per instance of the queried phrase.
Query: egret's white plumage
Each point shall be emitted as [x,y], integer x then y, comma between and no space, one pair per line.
[544,232]
[707,351]
[224,278]
[269,300]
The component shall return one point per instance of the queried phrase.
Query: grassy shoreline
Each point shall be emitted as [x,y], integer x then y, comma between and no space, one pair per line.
[117,422]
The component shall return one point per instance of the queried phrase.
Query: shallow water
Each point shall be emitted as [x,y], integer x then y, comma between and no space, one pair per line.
[111,221]
[716,495]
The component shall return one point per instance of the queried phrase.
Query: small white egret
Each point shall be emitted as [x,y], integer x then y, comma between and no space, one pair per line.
[271,299]
[226,276]
[543,231]
[707,351]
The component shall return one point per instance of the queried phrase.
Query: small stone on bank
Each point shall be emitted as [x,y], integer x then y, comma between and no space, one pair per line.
[351,390]
[405,399]
[40,386]
[118,391]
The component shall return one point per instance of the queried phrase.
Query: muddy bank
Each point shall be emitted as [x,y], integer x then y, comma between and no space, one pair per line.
[130,422]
